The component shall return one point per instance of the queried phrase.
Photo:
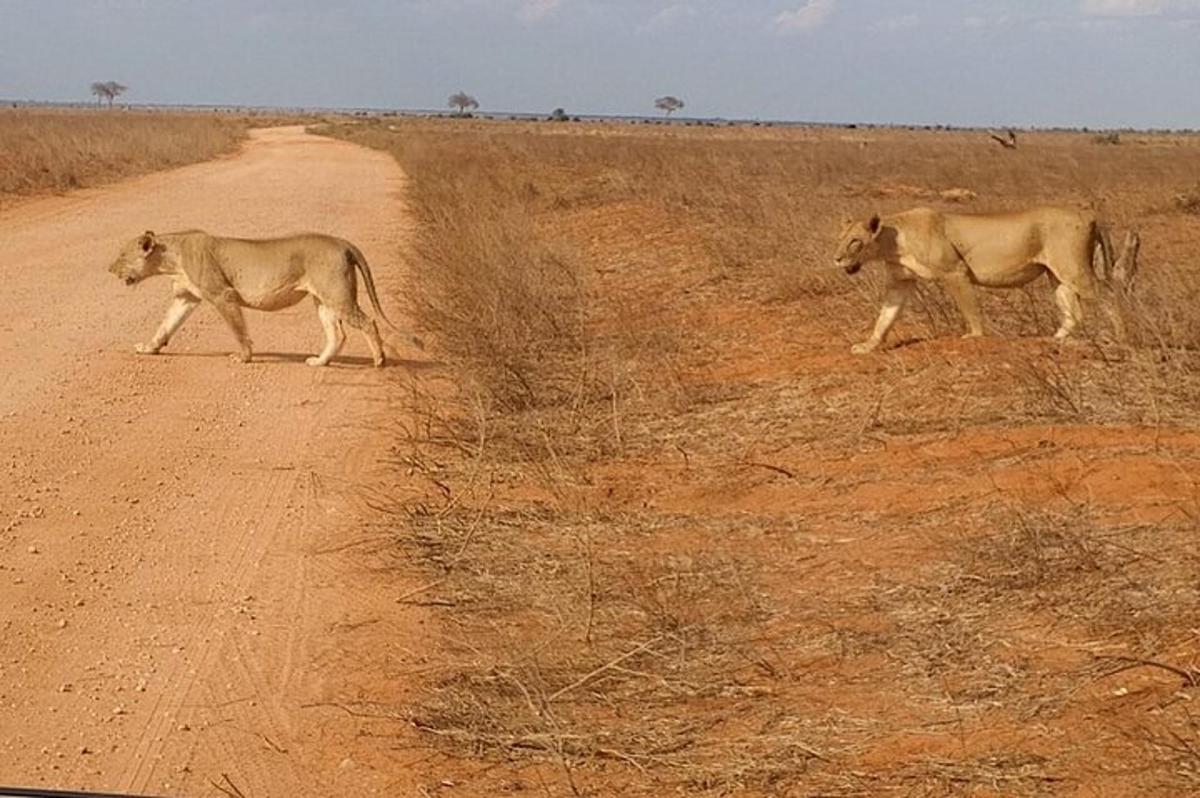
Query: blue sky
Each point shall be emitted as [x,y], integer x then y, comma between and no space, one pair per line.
[1091,63]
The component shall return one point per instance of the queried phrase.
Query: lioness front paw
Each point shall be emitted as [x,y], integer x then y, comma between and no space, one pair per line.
[315,361]
[146,349]
[865,348]
[240,357]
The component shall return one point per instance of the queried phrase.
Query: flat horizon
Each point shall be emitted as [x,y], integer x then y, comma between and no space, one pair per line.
[675,119]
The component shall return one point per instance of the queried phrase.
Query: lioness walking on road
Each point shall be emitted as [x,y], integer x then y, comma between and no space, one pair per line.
[962,251]
[266,274]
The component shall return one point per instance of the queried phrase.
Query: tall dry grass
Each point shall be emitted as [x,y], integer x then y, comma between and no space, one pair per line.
[42,150]
[650,353]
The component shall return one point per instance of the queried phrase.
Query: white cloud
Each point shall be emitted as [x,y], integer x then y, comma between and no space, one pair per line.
[979,22]
[1124,8]
[1140,8]
[906,22]
[667,17]
[535,10]
[810,16]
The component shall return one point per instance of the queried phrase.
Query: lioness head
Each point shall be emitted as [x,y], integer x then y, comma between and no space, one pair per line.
[858,244]
[138,260]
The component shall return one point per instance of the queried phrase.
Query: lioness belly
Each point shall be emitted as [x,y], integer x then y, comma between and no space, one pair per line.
[273,300]
[1008,276]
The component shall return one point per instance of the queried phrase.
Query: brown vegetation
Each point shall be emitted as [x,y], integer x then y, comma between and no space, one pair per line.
[684,542]
[1189,201]
[51,150]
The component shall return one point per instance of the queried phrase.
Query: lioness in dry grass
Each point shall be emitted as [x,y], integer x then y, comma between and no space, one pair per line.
[961,251]
[268,274]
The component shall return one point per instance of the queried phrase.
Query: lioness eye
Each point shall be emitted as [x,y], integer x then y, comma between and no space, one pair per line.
[855,245]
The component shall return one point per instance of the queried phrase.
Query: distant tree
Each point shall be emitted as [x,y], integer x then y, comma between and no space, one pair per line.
[559,115]
[668,104]
[100,89]
[108,90]
[115,90]
[463,101]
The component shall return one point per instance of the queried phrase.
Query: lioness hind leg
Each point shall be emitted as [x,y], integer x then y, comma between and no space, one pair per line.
[963,293]
[366,325]
[1067,299]
[334,337]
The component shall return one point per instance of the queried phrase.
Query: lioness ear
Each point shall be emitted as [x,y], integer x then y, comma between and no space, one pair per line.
[873,224]
[147,241]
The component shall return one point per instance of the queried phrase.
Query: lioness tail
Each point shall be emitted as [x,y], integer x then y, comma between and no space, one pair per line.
[355,257]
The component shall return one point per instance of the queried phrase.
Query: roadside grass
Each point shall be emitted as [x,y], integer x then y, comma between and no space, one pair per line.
[683,541]
[55,150]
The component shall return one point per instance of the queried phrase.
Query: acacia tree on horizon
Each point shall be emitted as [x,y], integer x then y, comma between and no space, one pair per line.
[463,101]
[668,104]
[108,90]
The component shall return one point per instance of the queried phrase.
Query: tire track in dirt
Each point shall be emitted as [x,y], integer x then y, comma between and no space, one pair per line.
[168,617]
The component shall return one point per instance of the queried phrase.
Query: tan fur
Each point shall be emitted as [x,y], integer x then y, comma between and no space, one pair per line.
[267,274]
[961,251]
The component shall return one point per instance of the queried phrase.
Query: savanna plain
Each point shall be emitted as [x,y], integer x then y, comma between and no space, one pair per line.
[668,536]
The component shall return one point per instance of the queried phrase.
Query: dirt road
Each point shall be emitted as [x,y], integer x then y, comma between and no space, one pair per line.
[176,607]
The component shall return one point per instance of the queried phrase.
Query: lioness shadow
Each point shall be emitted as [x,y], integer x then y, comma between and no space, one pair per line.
[341,361]
[905,343]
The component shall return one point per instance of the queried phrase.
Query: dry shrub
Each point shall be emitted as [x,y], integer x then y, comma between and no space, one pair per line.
[61,150]
[1045,559]
[1189,201]
[505,302]
[597,655]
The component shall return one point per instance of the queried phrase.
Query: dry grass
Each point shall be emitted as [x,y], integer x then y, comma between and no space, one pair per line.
[1189,201]
[683,541]
[49,151]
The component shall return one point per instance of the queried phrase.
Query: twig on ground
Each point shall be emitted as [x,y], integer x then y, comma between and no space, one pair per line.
[230,789]
[1190,676]
[633,652]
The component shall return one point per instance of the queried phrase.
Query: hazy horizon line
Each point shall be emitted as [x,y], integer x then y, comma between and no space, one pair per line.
[535,115]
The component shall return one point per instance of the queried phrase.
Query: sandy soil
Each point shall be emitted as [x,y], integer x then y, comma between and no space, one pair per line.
[176,607]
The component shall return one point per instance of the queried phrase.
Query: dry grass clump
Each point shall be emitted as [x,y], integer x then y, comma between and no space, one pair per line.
[683,541]
[62,150]
[1189,201]
[1142,574]
[601,655]
[506,302]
